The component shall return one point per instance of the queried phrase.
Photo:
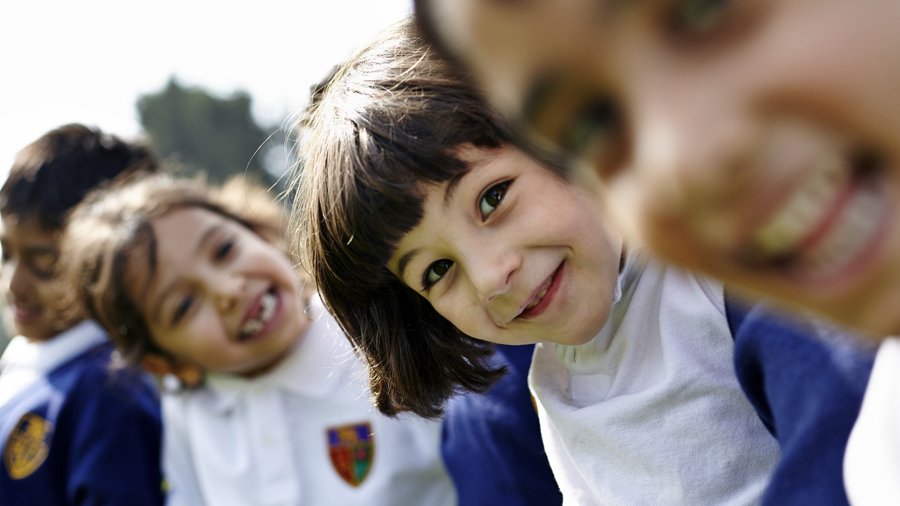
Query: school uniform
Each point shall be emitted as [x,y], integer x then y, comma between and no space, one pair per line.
[304,433]
[492,442]
[803,378]
[806,380]
[650,411]
[72,431]
[872,462]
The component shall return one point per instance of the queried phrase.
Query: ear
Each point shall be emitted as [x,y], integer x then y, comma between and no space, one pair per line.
[190,375]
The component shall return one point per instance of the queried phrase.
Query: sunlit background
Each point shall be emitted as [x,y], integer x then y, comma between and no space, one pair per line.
[212,85]
[90,61]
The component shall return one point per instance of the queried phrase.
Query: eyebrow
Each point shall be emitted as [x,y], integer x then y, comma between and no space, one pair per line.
[404,262]
[198,247]
[453,184]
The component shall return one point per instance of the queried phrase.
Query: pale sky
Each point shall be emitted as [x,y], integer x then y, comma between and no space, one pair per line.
[87,61]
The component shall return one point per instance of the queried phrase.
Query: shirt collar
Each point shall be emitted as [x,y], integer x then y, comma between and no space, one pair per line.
[313,369]
[44,356]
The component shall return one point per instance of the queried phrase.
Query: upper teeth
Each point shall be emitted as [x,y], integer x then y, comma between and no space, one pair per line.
[537,300]
[252,326]
[804,210]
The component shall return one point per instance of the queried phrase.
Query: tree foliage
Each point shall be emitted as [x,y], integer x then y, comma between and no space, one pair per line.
[204,133]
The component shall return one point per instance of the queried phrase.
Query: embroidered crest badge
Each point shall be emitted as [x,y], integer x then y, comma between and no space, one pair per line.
[27,446]
[351,448]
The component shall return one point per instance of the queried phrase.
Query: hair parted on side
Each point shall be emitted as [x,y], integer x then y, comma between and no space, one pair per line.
[386,124]
[110,233]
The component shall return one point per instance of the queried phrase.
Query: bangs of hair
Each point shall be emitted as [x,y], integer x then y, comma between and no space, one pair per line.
[385,126]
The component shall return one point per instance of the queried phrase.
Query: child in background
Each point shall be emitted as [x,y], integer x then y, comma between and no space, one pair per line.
[194,284]
[72,430]
[425,228]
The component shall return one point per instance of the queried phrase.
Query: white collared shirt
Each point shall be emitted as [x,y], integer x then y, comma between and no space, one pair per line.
[265,441]
[24,361]
[872,458]
[650,411]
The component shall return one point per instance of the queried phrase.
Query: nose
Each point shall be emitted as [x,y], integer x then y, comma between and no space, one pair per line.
[491,271]
[690,150]
[16,278]
[226,291]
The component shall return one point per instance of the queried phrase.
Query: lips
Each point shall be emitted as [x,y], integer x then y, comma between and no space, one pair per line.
[829,224]
[543,296]
[24,314]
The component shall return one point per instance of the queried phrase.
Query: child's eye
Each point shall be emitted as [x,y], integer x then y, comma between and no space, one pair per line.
[435,272]
[698,17]
[566,116]
[492,198]
[593,129]
[42,264]
[223,249]
[182,308]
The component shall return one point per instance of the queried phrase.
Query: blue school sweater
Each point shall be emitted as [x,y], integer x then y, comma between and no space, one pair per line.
[492,443]
[78,434]
[806,380]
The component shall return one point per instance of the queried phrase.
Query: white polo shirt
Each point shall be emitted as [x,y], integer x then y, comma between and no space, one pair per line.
[872,458]
[305,433]
[650,411]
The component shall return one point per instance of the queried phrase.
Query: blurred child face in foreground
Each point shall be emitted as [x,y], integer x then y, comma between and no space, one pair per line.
[222,297]
[757,140]
[511,253]
[27,275]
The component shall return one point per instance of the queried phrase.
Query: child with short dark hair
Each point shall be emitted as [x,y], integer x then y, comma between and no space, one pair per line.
[428,234]
[192,283]
[73,431]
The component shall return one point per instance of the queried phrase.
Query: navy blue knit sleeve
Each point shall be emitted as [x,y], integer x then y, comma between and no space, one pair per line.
[492,443]
[806,380]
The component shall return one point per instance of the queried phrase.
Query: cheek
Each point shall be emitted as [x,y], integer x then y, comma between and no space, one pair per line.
[463,312]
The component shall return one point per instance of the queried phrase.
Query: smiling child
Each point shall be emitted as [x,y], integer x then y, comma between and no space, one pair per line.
[755,141]
[429,236]
[193,284]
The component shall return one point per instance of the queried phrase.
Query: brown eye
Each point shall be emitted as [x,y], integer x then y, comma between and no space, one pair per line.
[435,272]
[595,124]
[491,199]
[43,264]
[692,18]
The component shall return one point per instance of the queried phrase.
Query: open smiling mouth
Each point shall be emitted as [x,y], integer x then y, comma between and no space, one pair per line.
[830,224]
[260,316]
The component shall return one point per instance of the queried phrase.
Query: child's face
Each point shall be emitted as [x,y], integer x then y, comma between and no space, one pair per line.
[757,140]
[27,275]
[222,297]
[512,254]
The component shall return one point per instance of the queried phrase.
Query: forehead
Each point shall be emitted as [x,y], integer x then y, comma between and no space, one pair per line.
[173,233]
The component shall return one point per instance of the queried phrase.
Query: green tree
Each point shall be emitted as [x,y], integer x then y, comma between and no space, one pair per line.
[204,133]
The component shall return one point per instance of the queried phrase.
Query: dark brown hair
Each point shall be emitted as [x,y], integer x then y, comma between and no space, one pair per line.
[386,125]
[53,173]
[110,232]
